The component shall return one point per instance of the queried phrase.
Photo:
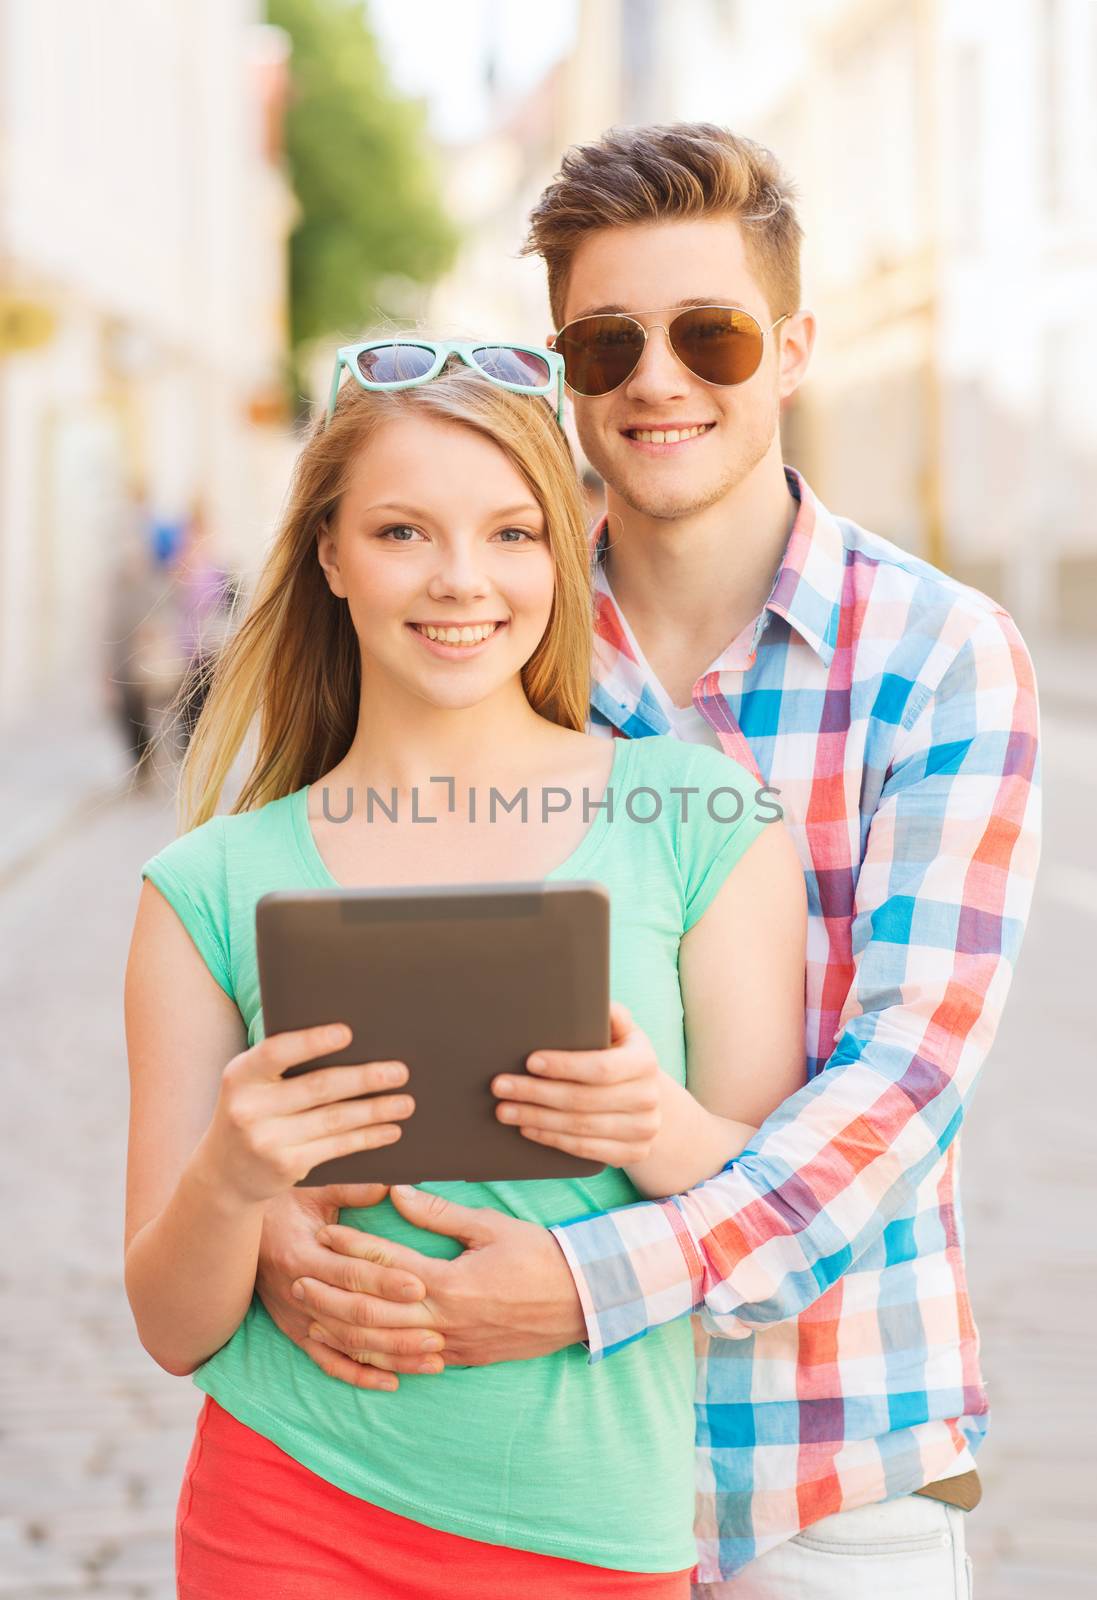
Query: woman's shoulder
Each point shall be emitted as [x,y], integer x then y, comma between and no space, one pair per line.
[202,850]
[242,826]
[196,850]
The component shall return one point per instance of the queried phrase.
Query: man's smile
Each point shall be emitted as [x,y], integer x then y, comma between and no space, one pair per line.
[662,438]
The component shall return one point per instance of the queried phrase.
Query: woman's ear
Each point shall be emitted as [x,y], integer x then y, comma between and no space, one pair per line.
[327,554]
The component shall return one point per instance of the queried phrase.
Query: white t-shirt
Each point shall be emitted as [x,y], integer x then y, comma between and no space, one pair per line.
[687,723]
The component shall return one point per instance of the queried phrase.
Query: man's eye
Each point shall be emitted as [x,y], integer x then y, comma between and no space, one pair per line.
[399,533]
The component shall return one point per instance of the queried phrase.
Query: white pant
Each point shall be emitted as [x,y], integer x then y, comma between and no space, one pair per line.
[906,1549]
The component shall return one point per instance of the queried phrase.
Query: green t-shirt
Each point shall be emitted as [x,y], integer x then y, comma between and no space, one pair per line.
[589,1462]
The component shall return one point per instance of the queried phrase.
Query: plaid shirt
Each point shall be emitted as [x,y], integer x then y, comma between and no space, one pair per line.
[895,711]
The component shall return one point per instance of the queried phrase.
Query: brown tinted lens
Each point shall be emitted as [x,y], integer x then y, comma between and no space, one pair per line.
[718,343]
[599,352]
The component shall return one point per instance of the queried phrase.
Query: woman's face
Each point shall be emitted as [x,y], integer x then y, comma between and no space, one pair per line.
[438,531]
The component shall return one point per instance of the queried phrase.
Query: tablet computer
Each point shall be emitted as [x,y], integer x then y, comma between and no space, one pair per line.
[461,983]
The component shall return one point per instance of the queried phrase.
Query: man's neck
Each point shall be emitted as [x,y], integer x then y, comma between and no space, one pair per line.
[689,586]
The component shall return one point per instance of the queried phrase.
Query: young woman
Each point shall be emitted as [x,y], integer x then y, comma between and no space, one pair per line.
[425,611]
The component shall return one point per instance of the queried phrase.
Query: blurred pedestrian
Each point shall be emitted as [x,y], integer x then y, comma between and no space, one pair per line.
[139,646]
[205,594]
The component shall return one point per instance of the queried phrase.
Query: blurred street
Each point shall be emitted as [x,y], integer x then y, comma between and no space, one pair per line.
[95,1436]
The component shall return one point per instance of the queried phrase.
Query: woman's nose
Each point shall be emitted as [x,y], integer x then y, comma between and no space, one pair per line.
[458,577]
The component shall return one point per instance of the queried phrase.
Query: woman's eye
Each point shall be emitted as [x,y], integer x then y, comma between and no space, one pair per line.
[516,535]
[399,533]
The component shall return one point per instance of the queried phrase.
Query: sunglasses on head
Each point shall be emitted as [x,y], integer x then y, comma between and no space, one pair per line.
[400,363]
[722,345]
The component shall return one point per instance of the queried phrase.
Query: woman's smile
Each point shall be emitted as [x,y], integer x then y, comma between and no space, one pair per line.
[456,639]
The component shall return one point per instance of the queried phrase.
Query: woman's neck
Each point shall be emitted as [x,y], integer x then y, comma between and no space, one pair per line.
[403,741]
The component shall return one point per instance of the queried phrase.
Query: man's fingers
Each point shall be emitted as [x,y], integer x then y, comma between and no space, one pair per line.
[395,1349]
[362,1246]
[474,1226]
[358,1374]
[360,1275]
[358,1310]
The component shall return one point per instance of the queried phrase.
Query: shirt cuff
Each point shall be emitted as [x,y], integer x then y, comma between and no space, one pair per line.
[635,1268]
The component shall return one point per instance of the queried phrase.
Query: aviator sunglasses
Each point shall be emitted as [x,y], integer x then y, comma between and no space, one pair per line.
[722,345]
[399,363]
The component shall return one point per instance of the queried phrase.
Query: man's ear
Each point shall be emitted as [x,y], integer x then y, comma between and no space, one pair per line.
[327,557]
[797,343]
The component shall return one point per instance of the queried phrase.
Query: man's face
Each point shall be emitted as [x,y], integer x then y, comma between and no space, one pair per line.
[650,270]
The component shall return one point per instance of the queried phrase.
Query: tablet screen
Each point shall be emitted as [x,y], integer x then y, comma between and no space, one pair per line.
[461,983]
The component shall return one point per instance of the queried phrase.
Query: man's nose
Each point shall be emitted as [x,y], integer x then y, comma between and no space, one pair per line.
[659,375]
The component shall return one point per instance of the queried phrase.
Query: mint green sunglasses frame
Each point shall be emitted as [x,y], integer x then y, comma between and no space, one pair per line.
[347,356]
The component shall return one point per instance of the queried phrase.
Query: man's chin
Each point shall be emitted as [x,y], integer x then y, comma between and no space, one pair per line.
[669,503]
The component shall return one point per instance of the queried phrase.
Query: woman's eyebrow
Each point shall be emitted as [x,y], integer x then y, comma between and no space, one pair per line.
[525,508]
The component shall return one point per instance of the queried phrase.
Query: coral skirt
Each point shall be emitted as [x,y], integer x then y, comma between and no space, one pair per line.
[254,1524]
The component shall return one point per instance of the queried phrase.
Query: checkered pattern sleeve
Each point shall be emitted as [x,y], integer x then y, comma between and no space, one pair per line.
[942,896]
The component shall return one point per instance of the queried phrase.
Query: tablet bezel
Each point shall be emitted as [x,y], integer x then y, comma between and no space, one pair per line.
[439,951]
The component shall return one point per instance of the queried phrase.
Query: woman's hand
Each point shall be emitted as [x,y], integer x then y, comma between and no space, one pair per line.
[268,1131]
[601,1105]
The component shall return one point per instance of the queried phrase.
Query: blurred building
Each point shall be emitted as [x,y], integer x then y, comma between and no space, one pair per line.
[143,224]
[490,184]
[946,156]
[946,152]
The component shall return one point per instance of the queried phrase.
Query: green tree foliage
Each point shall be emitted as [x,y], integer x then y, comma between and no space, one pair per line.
[360,165]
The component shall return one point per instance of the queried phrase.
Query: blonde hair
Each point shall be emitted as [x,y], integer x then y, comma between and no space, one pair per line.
[664,173]
[294,659]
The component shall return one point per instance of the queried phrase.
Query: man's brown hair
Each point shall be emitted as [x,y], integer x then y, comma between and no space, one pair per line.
[664,173]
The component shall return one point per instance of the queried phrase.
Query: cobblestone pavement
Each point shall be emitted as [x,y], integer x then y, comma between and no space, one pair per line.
[94,1436]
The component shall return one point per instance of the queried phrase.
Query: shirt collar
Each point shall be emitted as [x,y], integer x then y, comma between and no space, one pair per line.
[807,591]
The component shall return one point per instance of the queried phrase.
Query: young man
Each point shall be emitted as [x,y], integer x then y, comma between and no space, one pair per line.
[894,710]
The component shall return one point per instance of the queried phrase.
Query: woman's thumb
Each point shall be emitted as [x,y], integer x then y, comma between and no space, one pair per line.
[473,1227]
[620,1021]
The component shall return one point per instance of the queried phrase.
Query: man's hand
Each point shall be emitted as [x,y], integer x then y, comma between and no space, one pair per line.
[393,1341]
[508,1297]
